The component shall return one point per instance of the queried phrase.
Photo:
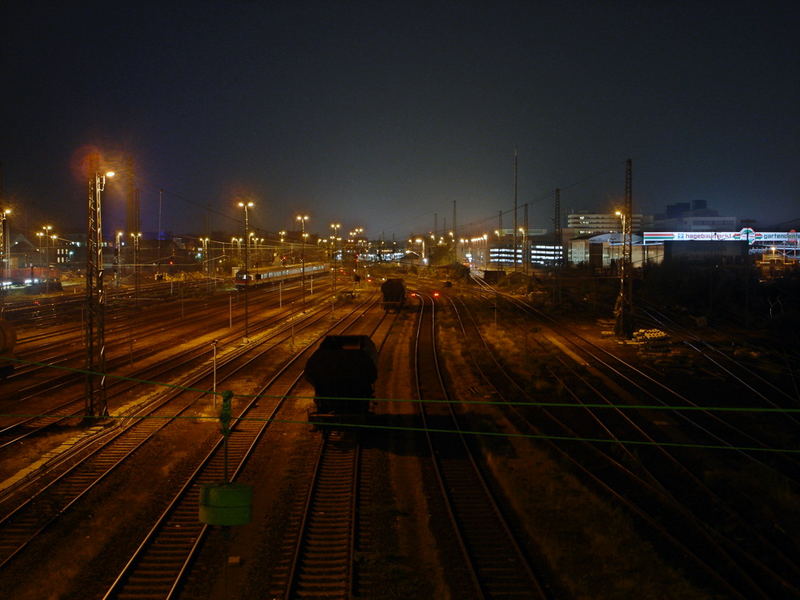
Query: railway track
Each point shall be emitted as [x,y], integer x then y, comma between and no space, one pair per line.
[331,526]
[82,470]
[162,560]
[61,346]
[28,426]
[761,564]
[324,555]
[492,556]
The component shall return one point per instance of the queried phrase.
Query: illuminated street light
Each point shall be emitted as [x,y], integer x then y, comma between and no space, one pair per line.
[335,227]
[206,259]
[95,399]
[423,258]
[5,249]
[136,237]
[303,219]
[245,206]
[118,258]
[44,236]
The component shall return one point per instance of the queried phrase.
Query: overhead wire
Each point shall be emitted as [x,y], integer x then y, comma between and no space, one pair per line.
[203,391]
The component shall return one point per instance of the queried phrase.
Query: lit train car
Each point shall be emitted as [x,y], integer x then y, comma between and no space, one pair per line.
[258,276]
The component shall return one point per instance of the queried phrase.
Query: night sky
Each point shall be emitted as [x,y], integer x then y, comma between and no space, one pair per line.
[381,114]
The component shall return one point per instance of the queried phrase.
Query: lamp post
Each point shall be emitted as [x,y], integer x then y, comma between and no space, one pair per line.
[422,257]
[206,259]
[5,249]
[282,235]
[238,242]
[335,227]
[303,219]
[118,249]
[95,400]
[40,235]
[135,237]
[525,254]
[245,206]
[47,239]
[53,246]
[623,309]
[46,235]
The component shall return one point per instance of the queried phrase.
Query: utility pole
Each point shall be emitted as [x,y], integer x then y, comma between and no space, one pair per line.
[5,250]
[557,235]
[526,255]
[624,308]
[245,205]
[95,295]
[557,245]
[514,254]
[5,240]
[455,235]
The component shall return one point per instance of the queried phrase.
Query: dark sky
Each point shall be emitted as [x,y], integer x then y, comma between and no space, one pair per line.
[381,114]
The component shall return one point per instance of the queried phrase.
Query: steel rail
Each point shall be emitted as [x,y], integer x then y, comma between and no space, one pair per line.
[42,508]
[744,556]
[163,558]
[497,565]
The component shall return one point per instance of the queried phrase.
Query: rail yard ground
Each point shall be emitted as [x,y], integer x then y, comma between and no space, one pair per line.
[584,541]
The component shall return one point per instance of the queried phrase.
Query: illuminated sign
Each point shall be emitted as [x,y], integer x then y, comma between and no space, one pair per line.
[745,235]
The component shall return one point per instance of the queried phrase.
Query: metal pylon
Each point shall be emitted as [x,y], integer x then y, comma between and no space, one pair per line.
[623,310]
[95,298]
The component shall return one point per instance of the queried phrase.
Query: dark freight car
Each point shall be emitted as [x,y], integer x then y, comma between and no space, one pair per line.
[394,294]
[342,370]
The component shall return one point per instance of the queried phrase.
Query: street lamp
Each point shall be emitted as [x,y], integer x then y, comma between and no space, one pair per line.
[118,249]
[621,215]
[303,219]
[40,235]
[623,309]
[5,249]
[282,235]
[136,237]
[46,229]
[335,227]
[5,246]
[95,294]
[206,259]
[245,206]
[420,240]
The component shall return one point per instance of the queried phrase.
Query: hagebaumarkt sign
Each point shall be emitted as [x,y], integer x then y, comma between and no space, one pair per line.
[746,234]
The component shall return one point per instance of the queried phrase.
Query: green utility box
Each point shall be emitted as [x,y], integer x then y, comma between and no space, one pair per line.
[226,503]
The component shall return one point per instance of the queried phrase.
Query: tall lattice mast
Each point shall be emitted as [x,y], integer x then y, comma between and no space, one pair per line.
[514,253]
[95,296]
[624,308]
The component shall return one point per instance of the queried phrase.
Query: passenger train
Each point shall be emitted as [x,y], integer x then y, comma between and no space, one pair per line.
[258,276]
